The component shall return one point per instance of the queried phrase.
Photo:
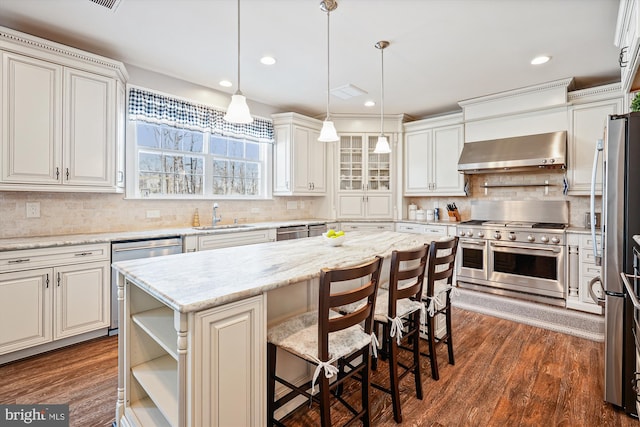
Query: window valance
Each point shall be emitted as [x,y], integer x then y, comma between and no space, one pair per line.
[157,108]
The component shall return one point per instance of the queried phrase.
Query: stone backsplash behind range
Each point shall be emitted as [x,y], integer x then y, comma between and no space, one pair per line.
[79,213]
[578,205]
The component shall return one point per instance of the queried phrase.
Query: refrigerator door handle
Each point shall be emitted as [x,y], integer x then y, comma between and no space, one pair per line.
[594,173]
[594,296]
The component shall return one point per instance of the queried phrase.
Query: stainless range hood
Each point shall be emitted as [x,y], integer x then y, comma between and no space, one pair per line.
[521,153]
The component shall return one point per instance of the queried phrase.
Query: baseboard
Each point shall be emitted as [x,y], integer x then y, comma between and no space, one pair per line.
[570,322]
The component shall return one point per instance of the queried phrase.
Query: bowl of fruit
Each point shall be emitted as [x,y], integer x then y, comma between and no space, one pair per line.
[334,238]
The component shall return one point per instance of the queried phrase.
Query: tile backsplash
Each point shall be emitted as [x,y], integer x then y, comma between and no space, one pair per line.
[79,213]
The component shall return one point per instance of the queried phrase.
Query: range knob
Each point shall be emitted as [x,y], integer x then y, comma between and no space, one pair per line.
[531,238]
[461,233]
[512,236]
[544,161]
[480,234]
[555,240]
[469,233]
[544,239]
[497,235]
[552,160]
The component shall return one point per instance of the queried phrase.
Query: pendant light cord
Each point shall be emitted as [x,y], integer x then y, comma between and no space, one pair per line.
[328,67]
[382,94]
[238,91]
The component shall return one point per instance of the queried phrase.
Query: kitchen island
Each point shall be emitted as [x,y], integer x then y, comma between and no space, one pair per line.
[193,326]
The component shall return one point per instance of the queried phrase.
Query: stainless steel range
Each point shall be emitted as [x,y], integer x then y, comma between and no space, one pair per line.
[515,248]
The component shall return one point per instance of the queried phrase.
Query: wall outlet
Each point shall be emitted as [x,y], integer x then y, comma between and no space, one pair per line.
[33,209]
[292,205]
[153,214]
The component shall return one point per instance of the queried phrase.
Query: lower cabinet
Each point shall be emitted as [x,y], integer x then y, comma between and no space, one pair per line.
[235,238]
[367,226]
[48,295]
[581,270]
[204,368]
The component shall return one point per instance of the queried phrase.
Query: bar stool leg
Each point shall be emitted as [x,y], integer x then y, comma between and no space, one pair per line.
[366,390]
[393,378]
[271,382]
[415,342]
[432,348]
[449,339]
[325,409]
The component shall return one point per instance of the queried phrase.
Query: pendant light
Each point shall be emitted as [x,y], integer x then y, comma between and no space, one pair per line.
[238,110]
[328,132]
[382,146]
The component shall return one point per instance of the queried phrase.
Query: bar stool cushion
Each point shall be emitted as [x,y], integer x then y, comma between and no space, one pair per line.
[299,335]
[404,306]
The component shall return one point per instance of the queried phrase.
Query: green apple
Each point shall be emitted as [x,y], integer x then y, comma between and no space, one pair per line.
[331,233]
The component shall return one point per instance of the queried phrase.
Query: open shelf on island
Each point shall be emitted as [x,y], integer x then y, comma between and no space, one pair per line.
[159,379]
[158,323]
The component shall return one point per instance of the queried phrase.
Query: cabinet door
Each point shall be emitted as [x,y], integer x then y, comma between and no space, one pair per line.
[378,206]
[236,238]
[447,146]
[588,124]
[121,131]
[300,166]
[417,156]
[282,159]
[89,129]
[351,205]
[317,163]
[351,163]
[25,309]
[82,298]
[229,353]
[378,167]
[31,120]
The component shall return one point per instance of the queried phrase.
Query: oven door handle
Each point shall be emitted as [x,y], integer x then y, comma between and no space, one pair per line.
[465,242]
[527,248]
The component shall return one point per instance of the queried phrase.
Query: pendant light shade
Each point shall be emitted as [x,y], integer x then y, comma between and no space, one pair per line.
[328,132]
[238,110]
[382,145]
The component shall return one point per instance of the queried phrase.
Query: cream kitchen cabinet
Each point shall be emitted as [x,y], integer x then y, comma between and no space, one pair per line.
[587,123]
[627,38]
[191,369]
[581,270]
[48,296]
[431,158]
[365,178]
[60,120]
[235,238]
[300,159]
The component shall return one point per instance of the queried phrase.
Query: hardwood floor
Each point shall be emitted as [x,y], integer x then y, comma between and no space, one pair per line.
[506,374]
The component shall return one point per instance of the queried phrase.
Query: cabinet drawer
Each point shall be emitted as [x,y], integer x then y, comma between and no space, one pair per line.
[591,270]
[226,240]
[47,257]
[586,242]
[439,230]
[363,226]
[588,257]
[408,228]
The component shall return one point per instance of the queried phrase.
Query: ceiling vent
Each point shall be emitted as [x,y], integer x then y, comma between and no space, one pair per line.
[347,91]
[112,5]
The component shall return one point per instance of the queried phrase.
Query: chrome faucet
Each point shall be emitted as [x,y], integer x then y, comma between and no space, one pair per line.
[216,218]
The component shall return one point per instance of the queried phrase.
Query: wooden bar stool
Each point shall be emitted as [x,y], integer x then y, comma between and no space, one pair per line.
[325,338]
[439,283]
[398,311]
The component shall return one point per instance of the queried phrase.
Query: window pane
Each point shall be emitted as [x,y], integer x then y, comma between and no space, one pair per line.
[236,148]
[252,151]
[150,161]
[218,145]
[147,135]
[162,136]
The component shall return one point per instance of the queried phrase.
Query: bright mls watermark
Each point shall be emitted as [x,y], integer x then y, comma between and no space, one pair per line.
[34,415]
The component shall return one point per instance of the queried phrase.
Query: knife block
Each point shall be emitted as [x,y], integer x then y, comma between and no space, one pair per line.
[454,215]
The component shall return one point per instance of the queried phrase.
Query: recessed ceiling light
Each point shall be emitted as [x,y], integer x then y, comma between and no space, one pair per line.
[268,60]
[225,83]
[540,60]
[370,104]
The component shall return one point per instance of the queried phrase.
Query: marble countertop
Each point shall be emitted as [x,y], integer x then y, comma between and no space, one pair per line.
[196,281]
[36,242]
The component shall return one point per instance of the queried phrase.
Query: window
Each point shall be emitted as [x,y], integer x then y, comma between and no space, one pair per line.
[177,153]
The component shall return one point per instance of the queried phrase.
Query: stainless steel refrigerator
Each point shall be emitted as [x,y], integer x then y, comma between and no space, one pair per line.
[620,221]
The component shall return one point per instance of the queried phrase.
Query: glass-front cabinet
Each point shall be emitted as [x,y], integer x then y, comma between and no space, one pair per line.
[365,178]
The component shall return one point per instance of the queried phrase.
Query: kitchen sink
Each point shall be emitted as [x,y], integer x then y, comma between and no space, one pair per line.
[221,227]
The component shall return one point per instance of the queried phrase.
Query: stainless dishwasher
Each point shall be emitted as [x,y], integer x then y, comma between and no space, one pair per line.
[126,250]
[317,229]
[292,232]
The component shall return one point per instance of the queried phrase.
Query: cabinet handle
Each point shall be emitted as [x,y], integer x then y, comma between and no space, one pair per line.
[57,174]
[621,61]
[83,254]
[58,279]
[120,176]
[313,185]
[46,281]
[19,261]
[67,174]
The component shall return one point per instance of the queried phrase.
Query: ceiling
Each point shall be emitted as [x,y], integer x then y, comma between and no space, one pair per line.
[441,51]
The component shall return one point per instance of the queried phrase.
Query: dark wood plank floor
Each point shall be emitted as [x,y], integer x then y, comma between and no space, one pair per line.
[506,374]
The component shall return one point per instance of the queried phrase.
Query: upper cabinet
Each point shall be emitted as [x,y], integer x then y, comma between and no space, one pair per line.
[627,39]
[588,115]
[299,158]
[432,149]
[62,117]
[364,181]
